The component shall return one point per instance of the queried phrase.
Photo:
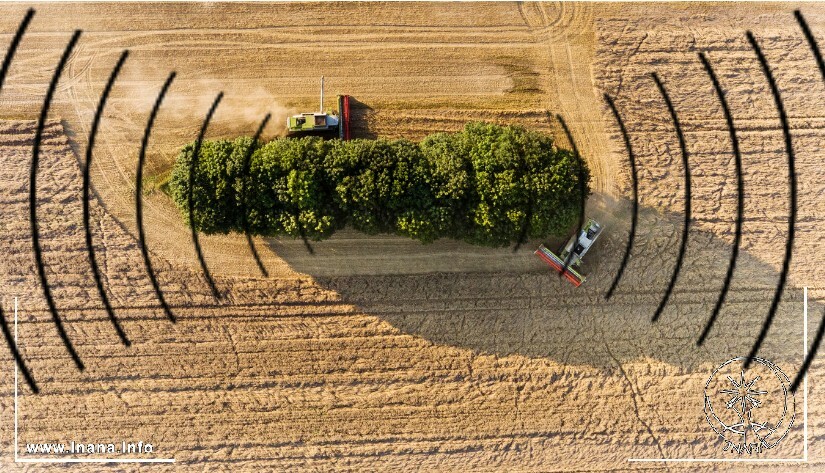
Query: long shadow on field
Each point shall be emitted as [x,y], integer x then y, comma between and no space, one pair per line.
[520,306]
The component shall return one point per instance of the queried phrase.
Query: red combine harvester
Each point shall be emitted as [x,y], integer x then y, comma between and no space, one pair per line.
[571,255]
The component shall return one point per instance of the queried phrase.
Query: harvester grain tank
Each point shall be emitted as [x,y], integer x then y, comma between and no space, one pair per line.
[321,121]
[570,257]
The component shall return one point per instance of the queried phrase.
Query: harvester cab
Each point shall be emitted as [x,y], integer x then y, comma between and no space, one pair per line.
[321,121]
[570,257]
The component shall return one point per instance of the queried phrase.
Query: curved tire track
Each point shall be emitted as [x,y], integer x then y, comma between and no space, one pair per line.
[144,249]
[786,263]
[38,255]
[87,172]
[15,42]
[634,177]
[686,225]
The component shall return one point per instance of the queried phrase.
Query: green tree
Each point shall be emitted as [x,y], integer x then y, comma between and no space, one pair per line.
[213,192]
[488,185]
[288,190]
[450,177]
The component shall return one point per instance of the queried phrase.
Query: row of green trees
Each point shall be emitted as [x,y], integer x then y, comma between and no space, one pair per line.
[488,185]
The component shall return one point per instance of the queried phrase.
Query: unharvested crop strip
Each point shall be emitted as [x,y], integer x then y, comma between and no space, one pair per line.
[635,211]
[247,163]
[786,263]
[191,197]
[15,42]
[144,249]
[582,189]
[740,199]
[87,173]
[38,255]
[686,225]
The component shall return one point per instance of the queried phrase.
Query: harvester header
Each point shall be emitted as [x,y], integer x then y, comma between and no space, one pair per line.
[570,256]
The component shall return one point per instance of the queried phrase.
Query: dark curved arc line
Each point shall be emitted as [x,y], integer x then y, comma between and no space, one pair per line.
[582,191]
[302,231]
[635,211]
[252,249]
[686,225]
[740,200]
[191,197]
[15,42]
[809,358]
[821,64]
[38,255]
[786,263]
[528,215]
[16,353]
[18,358]
[307,244]
[144,248]
[811,42]
[247,164]
[87,178]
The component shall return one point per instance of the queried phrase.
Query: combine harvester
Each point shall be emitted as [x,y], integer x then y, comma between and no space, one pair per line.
[321,122]
[571,256]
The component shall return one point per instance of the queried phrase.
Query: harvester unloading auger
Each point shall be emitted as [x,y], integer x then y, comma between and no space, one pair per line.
[321,121]
[570,257]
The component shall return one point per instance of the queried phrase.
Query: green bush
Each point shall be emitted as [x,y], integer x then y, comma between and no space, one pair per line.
[487,185]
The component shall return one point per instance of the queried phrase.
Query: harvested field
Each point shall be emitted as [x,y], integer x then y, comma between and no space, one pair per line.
[378,353]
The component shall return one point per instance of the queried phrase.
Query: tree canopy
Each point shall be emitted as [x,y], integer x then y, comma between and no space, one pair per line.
[487,185]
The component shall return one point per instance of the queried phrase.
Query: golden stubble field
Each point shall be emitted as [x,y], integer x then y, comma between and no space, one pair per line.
[377,353]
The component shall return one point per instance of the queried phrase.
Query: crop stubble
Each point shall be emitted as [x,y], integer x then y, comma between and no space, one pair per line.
[379,353]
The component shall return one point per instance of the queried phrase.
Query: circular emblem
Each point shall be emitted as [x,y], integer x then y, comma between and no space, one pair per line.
[753,409]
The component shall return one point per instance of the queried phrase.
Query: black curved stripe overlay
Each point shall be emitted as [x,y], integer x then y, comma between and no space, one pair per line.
[144,249]
[809,358]
[38,255]
[582,188]
[87,172]
[525,229]
[635,211]
[686,225]
[191,197]
[15,42]
[528,213]
[247,163]
[786,263]
[16,353]
[821,64]
[740,199]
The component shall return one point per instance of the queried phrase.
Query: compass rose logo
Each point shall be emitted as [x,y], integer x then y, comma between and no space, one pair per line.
[753,409]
